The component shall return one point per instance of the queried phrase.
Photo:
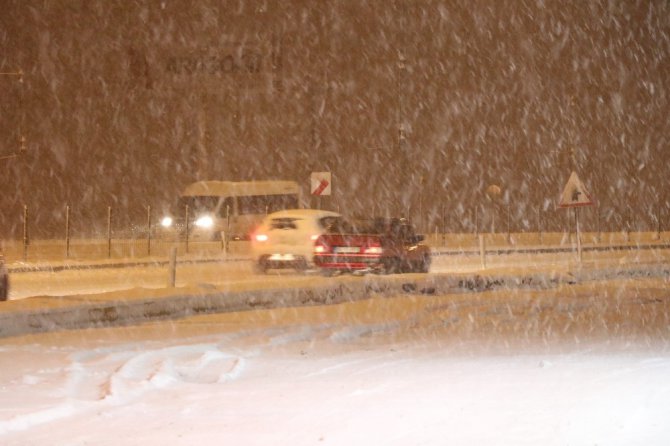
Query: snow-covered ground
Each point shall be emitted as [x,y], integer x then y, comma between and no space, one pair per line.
[581,364]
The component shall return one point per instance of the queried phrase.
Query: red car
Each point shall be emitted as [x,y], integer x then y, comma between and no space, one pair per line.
[388,245]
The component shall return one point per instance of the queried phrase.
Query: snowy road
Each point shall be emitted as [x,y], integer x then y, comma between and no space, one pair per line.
[87,281]
[579,365]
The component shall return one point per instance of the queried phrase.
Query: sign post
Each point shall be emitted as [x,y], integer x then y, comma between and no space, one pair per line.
[320,185]
[575,196]
[579,238]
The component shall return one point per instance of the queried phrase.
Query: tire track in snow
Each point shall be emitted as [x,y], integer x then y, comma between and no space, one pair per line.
[98,379]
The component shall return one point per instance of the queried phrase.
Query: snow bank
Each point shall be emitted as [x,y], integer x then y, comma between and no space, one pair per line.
[41,314]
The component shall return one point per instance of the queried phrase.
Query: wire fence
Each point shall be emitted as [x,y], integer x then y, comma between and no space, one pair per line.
[521,219]
[106,233]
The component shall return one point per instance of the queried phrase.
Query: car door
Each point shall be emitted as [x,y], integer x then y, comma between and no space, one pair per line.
[410,243]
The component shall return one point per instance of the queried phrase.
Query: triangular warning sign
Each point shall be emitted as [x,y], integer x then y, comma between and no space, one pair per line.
[574,194]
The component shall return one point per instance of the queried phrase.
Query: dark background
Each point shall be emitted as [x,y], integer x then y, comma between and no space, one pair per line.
[416,107]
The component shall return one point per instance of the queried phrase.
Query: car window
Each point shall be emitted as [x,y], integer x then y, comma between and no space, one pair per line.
[326,223]
[340,226]
[406,232]
[263,204]
[284,223]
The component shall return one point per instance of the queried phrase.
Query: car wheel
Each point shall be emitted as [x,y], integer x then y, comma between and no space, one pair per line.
[301,266]
[391,265]
[423,266]
[261,267]
[407,267]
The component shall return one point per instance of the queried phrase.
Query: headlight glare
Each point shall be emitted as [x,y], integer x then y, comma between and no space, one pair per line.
[204,222]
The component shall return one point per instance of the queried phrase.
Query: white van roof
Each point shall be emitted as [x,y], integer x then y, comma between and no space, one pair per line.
[240,188]
[302,213]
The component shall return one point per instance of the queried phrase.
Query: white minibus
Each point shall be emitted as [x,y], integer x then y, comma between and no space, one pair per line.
[210,210]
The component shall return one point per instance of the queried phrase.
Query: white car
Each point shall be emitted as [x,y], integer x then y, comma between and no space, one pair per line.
[285,239]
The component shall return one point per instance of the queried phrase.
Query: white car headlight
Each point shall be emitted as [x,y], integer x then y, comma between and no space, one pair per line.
[166,222]
[204,222]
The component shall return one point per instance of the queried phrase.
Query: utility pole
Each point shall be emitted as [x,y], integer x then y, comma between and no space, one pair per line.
[402,159]
[21,137]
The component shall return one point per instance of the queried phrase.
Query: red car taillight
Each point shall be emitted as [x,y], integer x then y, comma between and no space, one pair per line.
[320,246]
[373,248]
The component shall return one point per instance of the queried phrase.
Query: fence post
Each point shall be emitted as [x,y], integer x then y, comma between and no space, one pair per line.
[109,231]
[476,221]
[149,230]
[421,224]
[658,223]
[482,250]
[509,226]
[444,226]
[25,232]
[67,231]
[227,234]
[186,218]
[539,223]
[172,269]
[444,219]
